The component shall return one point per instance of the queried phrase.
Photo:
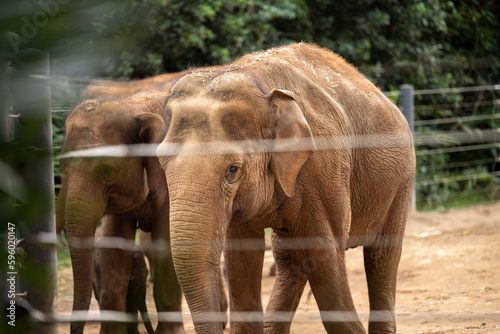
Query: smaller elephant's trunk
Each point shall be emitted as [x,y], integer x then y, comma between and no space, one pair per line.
[82,259]
[80,212]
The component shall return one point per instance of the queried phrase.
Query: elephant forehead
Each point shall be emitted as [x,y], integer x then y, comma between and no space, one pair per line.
[220,120]
[227,84]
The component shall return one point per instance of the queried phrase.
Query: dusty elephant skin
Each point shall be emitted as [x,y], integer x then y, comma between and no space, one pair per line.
[136,290]
[126,191]
[119,89]
[295,139]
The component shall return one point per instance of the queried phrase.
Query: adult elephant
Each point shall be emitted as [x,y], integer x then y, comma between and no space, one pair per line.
[126,192]
[295,139]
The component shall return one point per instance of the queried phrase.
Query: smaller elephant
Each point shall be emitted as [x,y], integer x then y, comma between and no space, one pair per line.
[136,291]
[98,89]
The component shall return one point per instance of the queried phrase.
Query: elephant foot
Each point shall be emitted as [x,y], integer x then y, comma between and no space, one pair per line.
[113,329]
[170,329]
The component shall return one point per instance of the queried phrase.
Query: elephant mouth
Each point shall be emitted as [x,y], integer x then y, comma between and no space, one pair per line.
[144,225]
[117,205]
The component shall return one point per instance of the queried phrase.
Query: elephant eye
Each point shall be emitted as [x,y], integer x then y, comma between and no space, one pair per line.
[233,173]
[107,172]
[233,170]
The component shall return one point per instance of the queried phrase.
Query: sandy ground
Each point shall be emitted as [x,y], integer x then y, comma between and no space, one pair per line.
[448,282]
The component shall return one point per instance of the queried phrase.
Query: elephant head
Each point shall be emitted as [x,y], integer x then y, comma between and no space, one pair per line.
[223,167]
[96,186]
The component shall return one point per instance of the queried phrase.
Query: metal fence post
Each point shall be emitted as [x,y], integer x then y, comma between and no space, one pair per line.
[35,221]
[407,105]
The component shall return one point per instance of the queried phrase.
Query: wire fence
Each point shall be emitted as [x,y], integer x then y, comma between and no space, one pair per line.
[448,123]
[457,134]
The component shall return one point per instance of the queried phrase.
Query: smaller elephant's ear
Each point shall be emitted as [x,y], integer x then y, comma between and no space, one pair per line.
[294,142]
[151,128]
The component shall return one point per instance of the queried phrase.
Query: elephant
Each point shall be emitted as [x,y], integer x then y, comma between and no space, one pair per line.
[137,287]
[126,193]
[118,89]
[110,88]
[294,139]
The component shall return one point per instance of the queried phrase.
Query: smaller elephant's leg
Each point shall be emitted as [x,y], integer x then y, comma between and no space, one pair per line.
[116,265]
[166,289]
[136,294]
[132,308]
[244,271]
[287,290]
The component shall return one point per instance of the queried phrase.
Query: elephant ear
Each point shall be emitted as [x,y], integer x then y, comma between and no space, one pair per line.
[151,130]
[294,142]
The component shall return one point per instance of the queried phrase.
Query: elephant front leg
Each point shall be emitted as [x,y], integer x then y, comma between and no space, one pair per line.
[244,257]
[116,267]
[166,289]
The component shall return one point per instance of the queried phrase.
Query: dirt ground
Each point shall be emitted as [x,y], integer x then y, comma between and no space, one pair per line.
[448,282]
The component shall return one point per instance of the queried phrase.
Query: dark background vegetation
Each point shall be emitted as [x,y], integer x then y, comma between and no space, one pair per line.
[429,43]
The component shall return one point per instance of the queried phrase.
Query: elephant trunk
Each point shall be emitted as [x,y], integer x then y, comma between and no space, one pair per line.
[197,232]
[80,211]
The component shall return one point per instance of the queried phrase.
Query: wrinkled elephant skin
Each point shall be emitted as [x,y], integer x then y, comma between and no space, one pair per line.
[125,192]
[297,140]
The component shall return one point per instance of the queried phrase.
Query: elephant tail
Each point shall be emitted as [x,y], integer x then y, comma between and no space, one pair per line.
[141,305]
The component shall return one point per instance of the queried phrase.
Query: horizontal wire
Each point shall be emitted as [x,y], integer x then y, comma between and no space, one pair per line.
[457,178]
[294,144]
[247,146]
[277,317]
[470,163]
[456,105]
[457,149]
[250,244]
[457,137]
[461,119]
[455,90]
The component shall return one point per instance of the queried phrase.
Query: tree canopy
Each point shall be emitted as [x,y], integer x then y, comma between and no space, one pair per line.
[428,43]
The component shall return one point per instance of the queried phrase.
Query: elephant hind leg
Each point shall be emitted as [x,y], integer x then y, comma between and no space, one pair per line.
[381,268]
[331,290]
[381,265]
